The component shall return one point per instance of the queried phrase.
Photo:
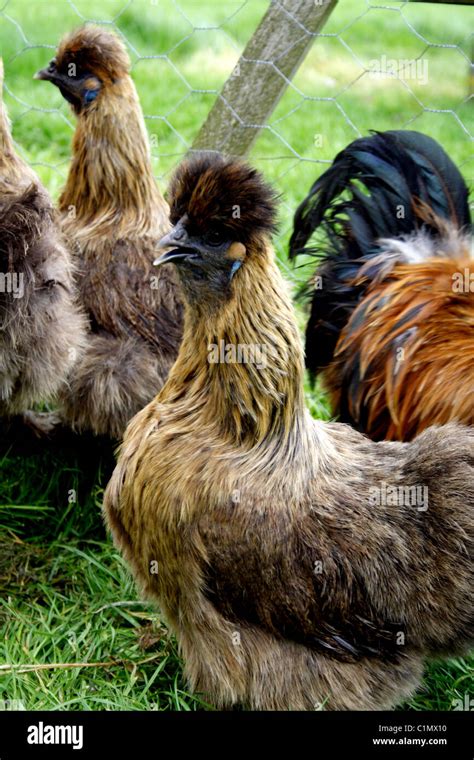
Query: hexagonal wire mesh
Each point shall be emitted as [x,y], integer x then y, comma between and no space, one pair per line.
[372,66]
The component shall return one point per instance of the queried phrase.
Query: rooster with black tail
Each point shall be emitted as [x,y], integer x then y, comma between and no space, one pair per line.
[392,313]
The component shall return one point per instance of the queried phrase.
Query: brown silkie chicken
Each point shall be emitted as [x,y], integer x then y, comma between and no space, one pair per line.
[298,563]
[392,316]
[113,211]
[41,328]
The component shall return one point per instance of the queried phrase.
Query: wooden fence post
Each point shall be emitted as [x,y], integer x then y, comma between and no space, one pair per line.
[260,78]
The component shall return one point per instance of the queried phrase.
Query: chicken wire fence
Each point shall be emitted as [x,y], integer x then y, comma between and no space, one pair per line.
[371,66]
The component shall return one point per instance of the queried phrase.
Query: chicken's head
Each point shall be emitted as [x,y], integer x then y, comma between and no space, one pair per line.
[88,61]
[222,211]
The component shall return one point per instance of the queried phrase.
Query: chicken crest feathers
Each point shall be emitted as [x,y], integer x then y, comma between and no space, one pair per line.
[95,49]
[231,193]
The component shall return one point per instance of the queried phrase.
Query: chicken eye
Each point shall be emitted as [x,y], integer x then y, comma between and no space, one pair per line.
[215,237]
[90,95]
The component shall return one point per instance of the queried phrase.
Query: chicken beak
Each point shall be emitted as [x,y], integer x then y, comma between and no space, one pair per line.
[45,75]
[178,241]
[173,256]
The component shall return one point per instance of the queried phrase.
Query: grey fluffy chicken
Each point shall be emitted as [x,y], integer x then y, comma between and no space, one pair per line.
[42,330]
[113,213]
[298,562]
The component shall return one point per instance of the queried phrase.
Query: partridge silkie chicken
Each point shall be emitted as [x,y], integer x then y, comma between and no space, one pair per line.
[113,213]
[299,563]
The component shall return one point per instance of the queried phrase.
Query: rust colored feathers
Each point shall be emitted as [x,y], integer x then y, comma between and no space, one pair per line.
[405,360]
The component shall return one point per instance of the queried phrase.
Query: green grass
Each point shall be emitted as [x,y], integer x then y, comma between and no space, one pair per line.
[65,596]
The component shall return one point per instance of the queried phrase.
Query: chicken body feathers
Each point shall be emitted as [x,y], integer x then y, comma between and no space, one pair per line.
[405,360]
[135,329]
[250,572]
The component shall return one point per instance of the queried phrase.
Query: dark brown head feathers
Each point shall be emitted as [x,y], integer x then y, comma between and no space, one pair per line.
[230,194]
[96,50]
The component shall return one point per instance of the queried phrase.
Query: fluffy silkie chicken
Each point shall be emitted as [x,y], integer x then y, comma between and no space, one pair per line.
[113,213]
[272,542]
[392,312]
[41,327]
